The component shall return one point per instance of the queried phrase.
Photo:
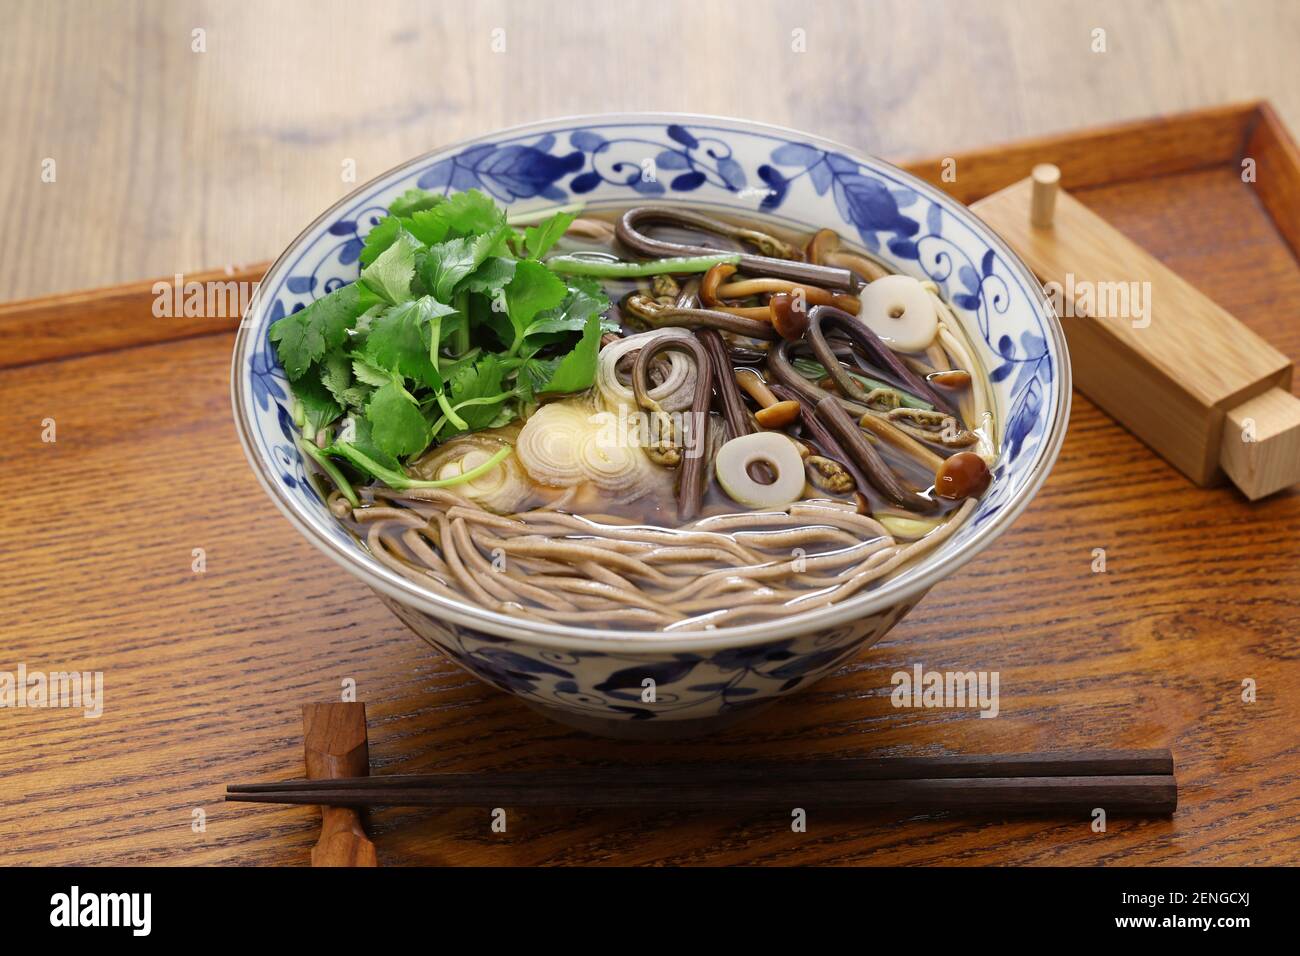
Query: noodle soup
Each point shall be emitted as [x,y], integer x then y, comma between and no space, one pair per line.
[649,417]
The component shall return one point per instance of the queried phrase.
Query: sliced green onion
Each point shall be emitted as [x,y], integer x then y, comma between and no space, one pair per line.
[605,269]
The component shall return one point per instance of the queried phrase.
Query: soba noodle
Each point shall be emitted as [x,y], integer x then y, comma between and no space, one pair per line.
[660,497]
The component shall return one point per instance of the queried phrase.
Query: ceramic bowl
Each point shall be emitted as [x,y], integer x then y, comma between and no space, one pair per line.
[593,678]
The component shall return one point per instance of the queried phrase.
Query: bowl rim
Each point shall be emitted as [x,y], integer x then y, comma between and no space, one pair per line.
[563,637]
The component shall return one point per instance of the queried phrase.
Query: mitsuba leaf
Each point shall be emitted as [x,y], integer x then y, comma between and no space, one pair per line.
[399,340]
[390,275]
[447,263]
[396,424]
[538,239]
[413,201]
[577,370]
[303,337]
[533,289]
[318,405]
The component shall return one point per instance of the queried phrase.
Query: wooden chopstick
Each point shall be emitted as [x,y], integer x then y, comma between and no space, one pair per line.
[1132,793]
[1063,764]
[1126,780]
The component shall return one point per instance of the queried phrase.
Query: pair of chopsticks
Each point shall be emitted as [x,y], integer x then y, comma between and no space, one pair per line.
[1124,781]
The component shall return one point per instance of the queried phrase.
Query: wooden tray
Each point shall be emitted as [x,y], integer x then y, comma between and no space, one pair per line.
[205,672]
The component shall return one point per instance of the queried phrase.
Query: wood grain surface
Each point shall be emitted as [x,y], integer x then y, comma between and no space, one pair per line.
[205,672]
[171,160]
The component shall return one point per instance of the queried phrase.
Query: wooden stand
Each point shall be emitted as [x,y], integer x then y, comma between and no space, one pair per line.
[1204,391]
[334,740]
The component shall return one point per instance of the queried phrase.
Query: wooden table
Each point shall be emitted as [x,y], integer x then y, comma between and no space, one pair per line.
[172,160]
[205,672]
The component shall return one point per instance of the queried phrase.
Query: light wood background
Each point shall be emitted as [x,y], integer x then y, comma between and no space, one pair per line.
[172,160]
[168,160]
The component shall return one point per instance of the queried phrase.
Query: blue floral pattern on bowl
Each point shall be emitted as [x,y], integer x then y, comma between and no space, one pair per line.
[743,167]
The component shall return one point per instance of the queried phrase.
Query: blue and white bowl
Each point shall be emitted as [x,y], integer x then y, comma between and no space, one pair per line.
[594,678]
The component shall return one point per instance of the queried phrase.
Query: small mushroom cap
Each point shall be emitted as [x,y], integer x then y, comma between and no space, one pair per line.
[780,415]
[789,321]
[712,279]
[822,244]
[963,475]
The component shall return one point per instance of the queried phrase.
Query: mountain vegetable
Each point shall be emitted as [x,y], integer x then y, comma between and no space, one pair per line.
[454,325]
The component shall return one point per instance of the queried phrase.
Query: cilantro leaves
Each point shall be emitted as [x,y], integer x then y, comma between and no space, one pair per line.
[453,325]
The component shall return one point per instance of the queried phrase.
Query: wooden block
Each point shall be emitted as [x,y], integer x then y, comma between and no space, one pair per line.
[1153,352]
[335,745]
[1261,443]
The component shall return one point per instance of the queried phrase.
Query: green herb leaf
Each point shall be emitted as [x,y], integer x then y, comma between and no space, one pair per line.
[318,405]
[303,337]
[462,215]
[396,424]
[357,432]
[413,201]
[399,340]
[380,237]
[390,275]
[490,277]
[533,289]
[370,374]
[572,314]
[336,375]
[538,239]
[577,370]
[447,263]
[482,380]
[534,374]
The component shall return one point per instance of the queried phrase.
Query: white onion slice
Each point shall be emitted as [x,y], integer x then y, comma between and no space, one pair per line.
[565,444]
[503,489]
[550,444]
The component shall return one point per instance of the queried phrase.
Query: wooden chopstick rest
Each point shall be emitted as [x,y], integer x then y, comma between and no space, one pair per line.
[335,746]
[1201,389]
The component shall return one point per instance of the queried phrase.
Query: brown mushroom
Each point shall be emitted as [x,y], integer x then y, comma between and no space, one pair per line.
[950,378]
[780,415]
[964,475]
[755,387]
[825,249]
[787,318]
[712,279]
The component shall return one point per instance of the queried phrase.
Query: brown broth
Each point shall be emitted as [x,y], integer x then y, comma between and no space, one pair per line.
[661,511]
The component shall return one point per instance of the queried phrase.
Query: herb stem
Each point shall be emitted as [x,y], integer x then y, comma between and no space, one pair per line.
[449,412]
[331,469]
[462,330]
[400,480]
